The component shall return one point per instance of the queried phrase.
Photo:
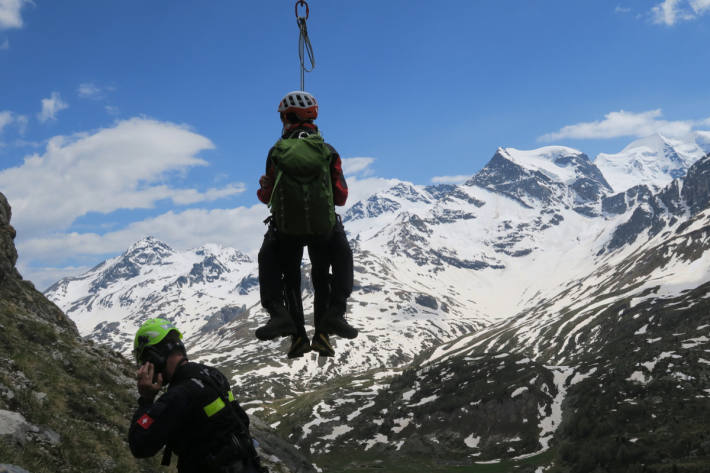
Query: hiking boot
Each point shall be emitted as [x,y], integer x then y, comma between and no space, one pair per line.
[299,346]
[279,325]
[322,345]
[334,323]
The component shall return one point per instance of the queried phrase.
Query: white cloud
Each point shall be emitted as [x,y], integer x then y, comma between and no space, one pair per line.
[192,196]
[5,119]
[127,166]
[622,123]
[51,106]
[700,6]
[460,179]
[620,9]
[111,110]
[9,118]
[43,277]
[240,227]
[357,166]
[361,184]
[89,90]
[10,16]
[671,12]
[21,122]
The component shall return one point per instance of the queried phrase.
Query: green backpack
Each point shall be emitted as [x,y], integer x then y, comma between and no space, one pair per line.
[302,199]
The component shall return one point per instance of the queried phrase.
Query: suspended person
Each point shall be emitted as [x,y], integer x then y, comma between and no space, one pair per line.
[197,418]
[302,184]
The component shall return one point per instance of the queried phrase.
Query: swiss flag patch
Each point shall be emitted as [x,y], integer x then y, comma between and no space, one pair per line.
[145,421]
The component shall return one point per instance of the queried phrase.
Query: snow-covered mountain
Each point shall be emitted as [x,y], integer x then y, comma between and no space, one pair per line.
[508,273]
[150,280]
[604,369]
[653,161]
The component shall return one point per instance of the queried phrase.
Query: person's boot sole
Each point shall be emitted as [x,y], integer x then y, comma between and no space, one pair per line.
[276,332]
[304,348]
[340,332]
[321,349]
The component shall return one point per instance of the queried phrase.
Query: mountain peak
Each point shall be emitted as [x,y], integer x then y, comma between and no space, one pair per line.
[148,242]
[548,176]
[559,163]
[658,144]
[220,252]
[654,160]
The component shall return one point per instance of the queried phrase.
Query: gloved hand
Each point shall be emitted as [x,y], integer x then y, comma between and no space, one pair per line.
[148,387]
[265,181]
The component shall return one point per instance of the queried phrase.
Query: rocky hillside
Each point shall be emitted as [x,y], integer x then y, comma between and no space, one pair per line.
[65,402]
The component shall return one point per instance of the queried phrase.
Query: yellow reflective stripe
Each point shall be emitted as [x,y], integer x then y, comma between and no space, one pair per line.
[230,396]
[214,407]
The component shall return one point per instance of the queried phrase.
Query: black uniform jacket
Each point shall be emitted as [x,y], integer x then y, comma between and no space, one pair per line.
[190,418]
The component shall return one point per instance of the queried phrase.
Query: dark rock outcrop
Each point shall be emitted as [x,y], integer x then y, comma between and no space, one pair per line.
[8,253]
[696,191]
[655,211]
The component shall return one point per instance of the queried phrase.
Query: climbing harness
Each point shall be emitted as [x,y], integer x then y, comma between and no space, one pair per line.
[304,42]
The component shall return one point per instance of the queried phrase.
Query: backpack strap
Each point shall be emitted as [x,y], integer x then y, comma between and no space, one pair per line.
[279,173]
[225,400]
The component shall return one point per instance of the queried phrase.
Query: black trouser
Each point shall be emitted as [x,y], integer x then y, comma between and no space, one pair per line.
[280,270]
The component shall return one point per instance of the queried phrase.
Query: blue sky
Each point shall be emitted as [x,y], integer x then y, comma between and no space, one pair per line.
[122,119]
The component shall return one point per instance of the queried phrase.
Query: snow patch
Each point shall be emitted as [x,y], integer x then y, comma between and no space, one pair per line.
[471,441]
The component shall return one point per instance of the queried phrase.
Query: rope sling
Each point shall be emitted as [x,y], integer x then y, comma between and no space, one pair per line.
[304,43]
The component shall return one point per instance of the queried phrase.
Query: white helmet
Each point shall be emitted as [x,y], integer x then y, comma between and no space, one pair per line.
[300,103]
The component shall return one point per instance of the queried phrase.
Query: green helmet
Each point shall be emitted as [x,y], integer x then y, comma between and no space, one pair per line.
[152,332]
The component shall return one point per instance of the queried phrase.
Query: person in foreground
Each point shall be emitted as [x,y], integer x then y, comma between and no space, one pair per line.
[303,182]
[197,418]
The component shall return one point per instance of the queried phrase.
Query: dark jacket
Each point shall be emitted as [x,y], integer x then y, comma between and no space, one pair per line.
[192,420]
[340,187]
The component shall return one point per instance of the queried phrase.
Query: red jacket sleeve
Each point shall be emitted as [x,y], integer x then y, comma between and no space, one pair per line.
[266,182]
[340,187]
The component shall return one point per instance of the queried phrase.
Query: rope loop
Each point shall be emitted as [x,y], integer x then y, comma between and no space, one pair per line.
[303,4]
[304,43]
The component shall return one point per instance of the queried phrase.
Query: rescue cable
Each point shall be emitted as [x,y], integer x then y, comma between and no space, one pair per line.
[304,42]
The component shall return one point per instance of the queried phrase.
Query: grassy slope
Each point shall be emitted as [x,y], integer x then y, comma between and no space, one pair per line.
[89,390]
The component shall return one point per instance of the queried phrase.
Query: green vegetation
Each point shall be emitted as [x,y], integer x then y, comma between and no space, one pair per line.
[363,463]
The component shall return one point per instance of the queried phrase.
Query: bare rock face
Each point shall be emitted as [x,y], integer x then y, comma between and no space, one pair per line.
[13,288]
[697,185]
[8,253]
